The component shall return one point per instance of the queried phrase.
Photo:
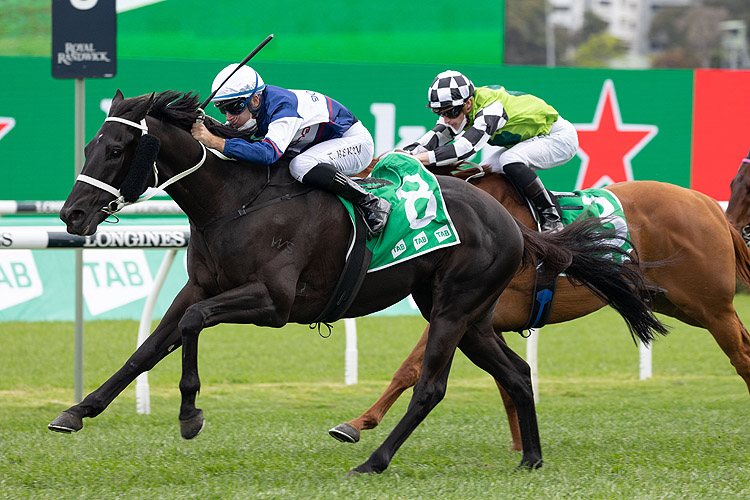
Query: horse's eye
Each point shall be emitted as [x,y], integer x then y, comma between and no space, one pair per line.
[116,152]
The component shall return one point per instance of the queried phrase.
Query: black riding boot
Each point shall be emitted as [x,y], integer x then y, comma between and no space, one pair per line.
[530,185]
[375,210]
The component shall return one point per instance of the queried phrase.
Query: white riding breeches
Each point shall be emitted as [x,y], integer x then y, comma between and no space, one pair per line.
[540,152]
[349,154]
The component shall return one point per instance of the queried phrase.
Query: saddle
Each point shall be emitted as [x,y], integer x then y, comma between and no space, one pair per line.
[411,232]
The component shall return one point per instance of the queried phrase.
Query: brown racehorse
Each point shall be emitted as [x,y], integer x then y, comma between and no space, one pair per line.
[738,210]
[668,223]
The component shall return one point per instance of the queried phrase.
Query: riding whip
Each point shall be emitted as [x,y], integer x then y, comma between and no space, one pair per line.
[241,64]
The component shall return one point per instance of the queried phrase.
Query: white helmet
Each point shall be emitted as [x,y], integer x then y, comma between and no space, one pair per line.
[246,82]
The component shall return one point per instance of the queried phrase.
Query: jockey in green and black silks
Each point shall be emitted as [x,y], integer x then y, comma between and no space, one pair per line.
[531,136]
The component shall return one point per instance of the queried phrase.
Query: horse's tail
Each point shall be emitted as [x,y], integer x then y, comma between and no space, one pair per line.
[585,252]
[741,255]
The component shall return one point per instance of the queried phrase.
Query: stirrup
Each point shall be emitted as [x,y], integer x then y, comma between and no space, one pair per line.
[550,226]
[375,217]
[550,220]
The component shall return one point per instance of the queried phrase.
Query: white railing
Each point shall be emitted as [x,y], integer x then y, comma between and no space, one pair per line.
[177,237]
[171,238]
[36,207]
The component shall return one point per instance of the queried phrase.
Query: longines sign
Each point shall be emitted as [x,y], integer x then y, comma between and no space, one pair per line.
[84,38]
[31,238]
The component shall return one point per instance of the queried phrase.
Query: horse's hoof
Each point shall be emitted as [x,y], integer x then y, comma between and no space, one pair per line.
[193,426]
[362,469]
[346,433]
[529,465]
[66,422]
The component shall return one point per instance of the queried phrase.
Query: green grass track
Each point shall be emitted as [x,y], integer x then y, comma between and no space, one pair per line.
[269,397]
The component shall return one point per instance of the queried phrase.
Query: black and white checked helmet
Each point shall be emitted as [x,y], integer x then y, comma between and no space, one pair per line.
[450,88]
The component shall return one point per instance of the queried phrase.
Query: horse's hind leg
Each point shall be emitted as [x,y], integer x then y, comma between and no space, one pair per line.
[428,392]
[733,338]
[510,408]
[406,376]
[514,376]
[512,414]
[715,312]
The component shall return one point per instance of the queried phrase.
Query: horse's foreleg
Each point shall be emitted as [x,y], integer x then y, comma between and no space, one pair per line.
[164,339]
[250,303]
[406,376]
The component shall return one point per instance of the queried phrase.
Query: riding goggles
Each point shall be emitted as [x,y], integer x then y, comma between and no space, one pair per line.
[450,112]
[233,107]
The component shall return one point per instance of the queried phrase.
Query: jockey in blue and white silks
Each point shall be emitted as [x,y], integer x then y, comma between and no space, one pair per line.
[329,142]
[297,120]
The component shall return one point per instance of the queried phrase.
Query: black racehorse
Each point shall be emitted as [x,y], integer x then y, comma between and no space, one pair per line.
[238,273]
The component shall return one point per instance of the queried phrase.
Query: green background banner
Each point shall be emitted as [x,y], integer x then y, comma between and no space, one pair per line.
[344,31]
[37,152]
[677,126]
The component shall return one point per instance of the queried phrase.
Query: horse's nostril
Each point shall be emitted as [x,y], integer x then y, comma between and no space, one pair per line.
[70,216]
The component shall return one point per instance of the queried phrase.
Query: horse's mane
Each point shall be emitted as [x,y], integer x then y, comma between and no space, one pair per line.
[463,170]
[181,110]
[178,108]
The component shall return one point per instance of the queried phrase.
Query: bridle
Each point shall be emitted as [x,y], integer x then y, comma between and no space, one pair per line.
[745,231]
[119,202]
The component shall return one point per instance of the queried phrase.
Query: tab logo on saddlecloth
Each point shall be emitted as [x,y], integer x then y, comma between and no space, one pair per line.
[443,233]
[398,249]
[420,240]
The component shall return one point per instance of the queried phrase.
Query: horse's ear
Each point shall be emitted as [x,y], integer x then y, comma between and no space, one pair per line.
[117,99]
[142,108]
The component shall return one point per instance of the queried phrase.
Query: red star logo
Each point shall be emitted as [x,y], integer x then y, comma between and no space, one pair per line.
[606,146]
[6,124]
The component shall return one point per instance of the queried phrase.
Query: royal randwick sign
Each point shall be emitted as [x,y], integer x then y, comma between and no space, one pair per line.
[84,38]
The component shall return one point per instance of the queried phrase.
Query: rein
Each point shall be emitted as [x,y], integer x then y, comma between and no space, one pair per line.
[462,168]
[245,209]
[119,202]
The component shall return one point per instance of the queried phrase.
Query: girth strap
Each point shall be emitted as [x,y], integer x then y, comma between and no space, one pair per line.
[545,285]
[352,277]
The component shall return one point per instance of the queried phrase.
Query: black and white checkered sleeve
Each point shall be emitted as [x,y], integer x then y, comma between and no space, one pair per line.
[439,135]
[487,121]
